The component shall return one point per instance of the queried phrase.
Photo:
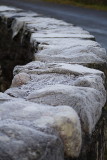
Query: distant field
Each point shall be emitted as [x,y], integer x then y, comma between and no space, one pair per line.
[97,4]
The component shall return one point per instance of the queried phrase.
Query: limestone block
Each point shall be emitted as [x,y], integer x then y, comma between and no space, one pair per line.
[81,52]
[4,97]
[7,8]
[65,84]
[18,142]
[18,92]
[20,79]
[20,120]
[87,102]
[38,67]
[18,13]
[44,74]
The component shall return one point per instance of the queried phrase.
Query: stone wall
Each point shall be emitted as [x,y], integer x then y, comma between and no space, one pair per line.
[14,49]
[53,107]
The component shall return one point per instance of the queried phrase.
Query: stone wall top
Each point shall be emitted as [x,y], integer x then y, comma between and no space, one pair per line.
[56,100]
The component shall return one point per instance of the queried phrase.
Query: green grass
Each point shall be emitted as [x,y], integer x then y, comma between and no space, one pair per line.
[80,4]
[85,4]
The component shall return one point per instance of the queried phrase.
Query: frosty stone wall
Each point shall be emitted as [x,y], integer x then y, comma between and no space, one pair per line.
[53,108]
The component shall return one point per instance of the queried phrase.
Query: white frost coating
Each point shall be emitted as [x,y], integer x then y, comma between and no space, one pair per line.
[28,14]
[46,23]
[20,14]
[20,79]
[62,119]
[79,69]
[5,8]
[92,81]
[26,19]
[76,54]
[60,35]
[71,47]
[87,102]
[4,97]
[55,79]
[39,81]
[64,68]
[66,42]
[16,26]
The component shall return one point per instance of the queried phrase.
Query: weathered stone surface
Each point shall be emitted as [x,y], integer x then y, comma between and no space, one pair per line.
[25,116]
[55,84]
[86,101]
[4,98]
[18,142]
[20,79]
[70,96]
[7,8]
[38,67]
[71,50]
[43,74]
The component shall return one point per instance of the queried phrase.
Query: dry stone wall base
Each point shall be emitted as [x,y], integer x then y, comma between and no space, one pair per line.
[53,107]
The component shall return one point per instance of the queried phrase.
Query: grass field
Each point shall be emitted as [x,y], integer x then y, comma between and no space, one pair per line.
[95,4]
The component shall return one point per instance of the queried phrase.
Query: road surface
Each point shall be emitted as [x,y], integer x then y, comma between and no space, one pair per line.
[91,20]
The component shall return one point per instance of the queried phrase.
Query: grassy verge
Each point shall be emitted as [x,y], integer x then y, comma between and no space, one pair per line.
[73,2]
